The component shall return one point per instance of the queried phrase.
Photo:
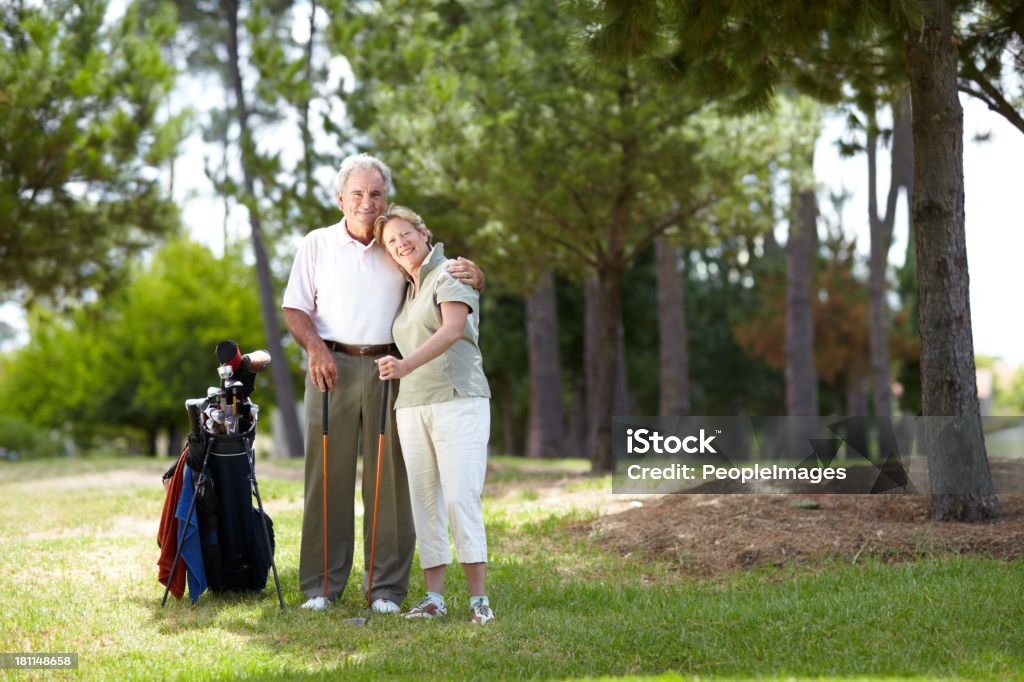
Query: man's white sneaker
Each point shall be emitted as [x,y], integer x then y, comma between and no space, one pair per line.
[384,606]
[317,604]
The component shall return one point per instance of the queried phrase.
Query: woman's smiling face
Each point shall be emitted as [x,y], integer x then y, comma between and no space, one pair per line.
[406,244]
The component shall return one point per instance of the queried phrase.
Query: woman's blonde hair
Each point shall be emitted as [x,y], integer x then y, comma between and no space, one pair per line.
[395,211]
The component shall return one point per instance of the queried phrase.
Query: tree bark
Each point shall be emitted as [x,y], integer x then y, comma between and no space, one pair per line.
[674,395]
[175,440]
[283,389]
[545,433]
[622,399]
[607,385]
[801,375]
[856,394]
[605,368]
[576,436]
[591,294]
[956,457]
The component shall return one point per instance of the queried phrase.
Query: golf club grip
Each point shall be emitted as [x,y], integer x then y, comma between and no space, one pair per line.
[384,407]
[326,406]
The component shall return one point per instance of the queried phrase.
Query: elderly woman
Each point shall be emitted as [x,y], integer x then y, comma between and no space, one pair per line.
[442,410]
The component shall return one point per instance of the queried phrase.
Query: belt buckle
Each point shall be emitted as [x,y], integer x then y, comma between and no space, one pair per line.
[366,351]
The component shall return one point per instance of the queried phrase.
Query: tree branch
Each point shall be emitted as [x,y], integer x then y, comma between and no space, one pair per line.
[990,95]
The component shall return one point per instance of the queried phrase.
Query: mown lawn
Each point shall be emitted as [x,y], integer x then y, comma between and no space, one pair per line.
[78,574]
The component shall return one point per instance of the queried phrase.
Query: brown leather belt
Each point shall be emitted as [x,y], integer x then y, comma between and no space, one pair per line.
[364,351]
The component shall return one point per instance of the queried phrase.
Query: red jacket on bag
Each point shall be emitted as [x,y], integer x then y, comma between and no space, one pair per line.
[167,536]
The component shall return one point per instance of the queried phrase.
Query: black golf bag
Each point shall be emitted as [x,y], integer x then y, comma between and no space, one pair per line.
[237,550]
[225,542]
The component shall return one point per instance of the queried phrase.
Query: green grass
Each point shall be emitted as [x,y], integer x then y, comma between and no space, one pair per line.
[78,573]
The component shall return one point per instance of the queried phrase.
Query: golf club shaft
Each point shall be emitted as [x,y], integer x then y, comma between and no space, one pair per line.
[376,490]
[326,404]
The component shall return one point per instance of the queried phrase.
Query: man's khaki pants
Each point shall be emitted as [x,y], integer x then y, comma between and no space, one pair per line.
[354,421]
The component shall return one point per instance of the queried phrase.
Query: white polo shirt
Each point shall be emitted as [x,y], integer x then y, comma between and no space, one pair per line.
[351,291]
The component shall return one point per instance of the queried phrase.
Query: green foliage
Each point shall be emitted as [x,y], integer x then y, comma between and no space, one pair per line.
[80,142]
[130,361]
[553,161]
[25,440]
[743,53]
[543,160]
[722,292]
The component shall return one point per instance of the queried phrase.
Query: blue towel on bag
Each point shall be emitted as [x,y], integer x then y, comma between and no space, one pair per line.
[188,539]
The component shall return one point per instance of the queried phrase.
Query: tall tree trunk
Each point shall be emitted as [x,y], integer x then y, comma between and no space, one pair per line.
[957,459]
[304,129]
[856,393]
[175,440]
[576,437]
[283,389]
[622,398]
[674,395]
[591,293]
[607,385]
[801,246]
[902,170]
[605,369]
[545,433]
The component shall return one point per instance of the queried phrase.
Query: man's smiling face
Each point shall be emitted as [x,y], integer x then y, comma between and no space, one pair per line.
[363,198]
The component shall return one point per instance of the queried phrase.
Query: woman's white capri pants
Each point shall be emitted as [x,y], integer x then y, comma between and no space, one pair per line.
[445,450]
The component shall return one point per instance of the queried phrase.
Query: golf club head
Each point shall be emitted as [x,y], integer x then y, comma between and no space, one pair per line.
[194,407]
[214,419]
[213,393]
[225,372]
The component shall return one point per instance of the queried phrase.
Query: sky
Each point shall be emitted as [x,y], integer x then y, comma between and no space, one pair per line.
[994,221]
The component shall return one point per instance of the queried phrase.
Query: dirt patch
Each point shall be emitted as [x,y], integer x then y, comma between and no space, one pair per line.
[712,534]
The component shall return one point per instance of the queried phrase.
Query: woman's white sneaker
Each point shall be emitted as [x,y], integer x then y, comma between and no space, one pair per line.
[480,613]
[427,608]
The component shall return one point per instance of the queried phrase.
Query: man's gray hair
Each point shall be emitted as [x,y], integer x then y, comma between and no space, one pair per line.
[361,163]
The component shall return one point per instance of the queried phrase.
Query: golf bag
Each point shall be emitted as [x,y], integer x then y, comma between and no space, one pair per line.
[237,550]
[226,544]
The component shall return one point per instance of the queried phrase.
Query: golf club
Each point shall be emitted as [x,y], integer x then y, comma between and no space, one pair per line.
[326,404]
[376,490]
[194,407]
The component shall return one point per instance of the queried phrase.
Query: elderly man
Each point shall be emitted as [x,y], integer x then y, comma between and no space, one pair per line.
[342,297]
